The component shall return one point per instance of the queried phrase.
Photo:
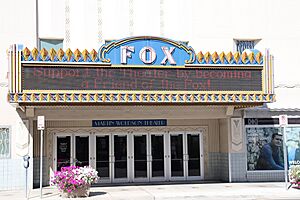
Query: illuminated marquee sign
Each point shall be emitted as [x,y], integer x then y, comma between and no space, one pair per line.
[140,69]
[141,79]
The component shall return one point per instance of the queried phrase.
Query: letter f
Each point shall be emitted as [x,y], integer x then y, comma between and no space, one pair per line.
[126,53]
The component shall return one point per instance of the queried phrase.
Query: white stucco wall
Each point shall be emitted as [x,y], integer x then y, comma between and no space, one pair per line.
[17,22]
[207,25]
[17,26]
[51,19]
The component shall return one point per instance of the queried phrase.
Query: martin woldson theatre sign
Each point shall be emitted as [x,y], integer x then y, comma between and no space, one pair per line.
[139,69]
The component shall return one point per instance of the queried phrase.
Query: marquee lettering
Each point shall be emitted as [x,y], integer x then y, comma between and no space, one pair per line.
[147,54]
[126,53]
[151,57]
[168,55]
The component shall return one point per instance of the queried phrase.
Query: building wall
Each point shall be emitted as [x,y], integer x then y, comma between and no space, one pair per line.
[207,25]
[17,26]
[12,172]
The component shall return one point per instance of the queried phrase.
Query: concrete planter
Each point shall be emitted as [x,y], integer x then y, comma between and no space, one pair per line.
[83,191]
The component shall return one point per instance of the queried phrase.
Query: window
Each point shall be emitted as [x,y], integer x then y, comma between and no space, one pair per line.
[4,142]
[293,145]
[242,45]
[265,143]
[51,43]
[264,148]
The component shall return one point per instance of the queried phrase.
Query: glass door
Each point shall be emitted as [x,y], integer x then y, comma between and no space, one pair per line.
[193,156]
[140,158]
[71,149]
[81,156]
[184,156]
[103,164]
[157,154]
[63,152]
[176,157]
[120,162]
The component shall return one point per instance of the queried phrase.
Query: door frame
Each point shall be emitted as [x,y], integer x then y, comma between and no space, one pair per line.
[99,134]
[84,134]
[163,178]
[168,143]
[72,146]
[185,154]
[200,133]
[131,153]
[93,132]
[62,135]
[120,180]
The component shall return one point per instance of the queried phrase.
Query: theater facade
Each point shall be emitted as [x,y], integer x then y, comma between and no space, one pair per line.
[140,109]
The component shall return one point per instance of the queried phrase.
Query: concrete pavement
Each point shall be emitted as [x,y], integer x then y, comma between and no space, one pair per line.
[203,191]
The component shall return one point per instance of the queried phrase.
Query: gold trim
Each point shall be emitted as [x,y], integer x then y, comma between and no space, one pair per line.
[13,80]
[139,92]
[63,64]
[146,98]
[187,66]
[19,71]
[263,74]
[271,74]
[223,66]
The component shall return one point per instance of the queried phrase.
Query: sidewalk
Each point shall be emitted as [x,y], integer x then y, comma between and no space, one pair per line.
[218,191]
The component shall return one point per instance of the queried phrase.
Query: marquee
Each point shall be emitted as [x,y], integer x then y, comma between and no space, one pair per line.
[139,70]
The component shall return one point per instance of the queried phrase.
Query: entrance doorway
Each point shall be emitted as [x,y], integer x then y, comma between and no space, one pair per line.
[134,156]
[71,149]
[186,155]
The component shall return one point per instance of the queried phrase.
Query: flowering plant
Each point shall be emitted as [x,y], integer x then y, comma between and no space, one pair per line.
[294,174]
[73,177]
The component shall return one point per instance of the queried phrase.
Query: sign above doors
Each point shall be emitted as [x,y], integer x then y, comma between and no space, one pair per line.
[129,123]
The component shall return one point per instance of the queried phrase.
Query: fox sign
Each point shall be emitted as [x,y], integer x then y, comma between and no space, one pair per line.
[147,51]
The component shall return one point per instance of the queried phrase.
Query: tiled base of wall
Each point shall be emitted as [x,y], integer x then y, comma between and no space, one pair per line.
[256,176]
[239,171]
[238,167]
[217,167]
[13,173]
[224,170]
[36,172]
